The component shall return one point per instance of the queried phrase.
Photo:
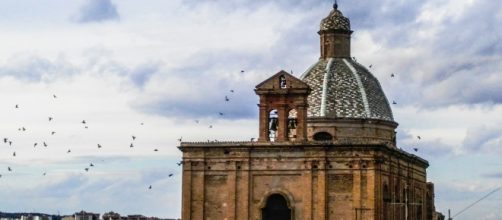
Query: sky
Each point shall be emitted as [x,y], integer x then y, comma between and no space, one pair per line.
[160,70]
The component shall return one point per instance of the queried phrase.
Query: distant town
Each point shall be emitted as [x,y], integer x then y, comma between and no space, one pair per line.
[82,215]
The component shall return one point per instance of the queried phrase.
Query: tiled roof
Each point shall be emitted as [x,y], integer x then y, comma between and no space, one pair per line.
[342,88]
[335,21]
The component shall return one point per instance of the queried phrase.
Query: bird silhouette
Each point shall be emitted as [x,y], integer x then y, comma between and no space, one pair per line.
[142,123]
[10,143]
[179,163]
[35,144]
[210,126]
[14,154]
[17,106]
[252,139]
[54,96]
[415,149]
[197,121]
[133,137]
[69,151]
[99,146]
[394,102]
[131,145]
[220,113]
[150,187]
[392,75]
[83,122]
[232,91]
[227,99]
[180,139]
[170,175]
[44,174]
[45,144]
[52,133]
[9,169]
[419,138]
[156,149]
[371,65]
[86,169]
[50,118]
[91,165]
[242,71]
[5,140]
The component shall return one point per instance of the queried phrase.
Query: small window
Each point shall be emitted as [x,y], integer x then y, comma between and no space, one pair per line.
[282,82]
[323,136]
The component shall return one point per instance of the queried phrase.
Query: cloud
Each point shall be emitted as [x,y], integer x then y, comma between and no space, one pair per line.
[97,11]
[35,68]
[484,138]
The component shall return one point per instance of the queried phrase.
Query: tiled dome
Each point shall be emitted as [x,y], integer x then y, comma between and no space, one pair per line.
[335,21]
[342,88]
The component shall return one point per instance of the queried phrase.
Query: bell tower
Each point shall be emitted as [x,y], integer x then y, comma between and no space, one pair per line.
[283,108]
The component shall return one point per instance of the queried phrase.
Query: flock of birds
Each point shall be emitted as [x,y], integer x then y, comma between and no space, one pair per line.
[8,141]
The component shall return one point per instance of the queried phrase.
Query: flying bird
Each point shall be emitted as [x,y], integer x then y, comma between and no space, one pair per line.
[52,133]
[83,122]
[54,95]
[220,113]
[210,126]
[5,140]
[14,154]
[50,118]
[131,145]
[392,75]
[44,174]
[45,144]
[142,123]
[99,146]
[227,99]
[179,163]
[197,121]
[133,137]
[394,102]
[35,144]
[17,106]
[242,71]
[371,65]
[419,138]
[179,139]
[69,151]
[156,149]
[415,149]
[150,187]
[91,165]
[9,169]
[10,143]
[86,169]
[232,91]
[170,175]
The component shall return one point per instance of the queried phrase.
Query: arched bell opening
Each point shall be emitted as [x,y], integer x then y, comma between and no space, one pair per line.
[292,124]
[276,208]
[273,124]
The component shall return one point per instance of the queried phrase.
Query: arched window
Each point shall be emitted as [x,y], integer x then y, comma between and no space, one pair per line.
[322,136]
[273,124]
[276,208]
[292,122]
[282,82]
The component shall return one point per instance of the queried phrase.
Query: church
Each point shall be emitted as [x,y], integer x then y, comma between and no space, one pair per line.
[326,150]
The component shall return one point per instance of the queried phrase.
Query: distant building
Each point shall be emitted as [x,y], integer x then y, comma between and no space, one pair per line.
[111,216]
[326,150]
[83,215]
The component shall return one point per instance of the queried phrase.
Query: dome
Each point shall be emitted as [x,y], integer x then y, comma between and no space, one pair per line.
[343,88]
[335,21]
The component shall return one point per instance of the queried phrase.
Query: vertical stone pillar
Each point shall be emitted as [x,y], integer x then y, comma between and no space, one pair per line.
[197,188]
[263,123]
[186,198]
[307,192]
[231,186]
[282,131]
[321,192]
